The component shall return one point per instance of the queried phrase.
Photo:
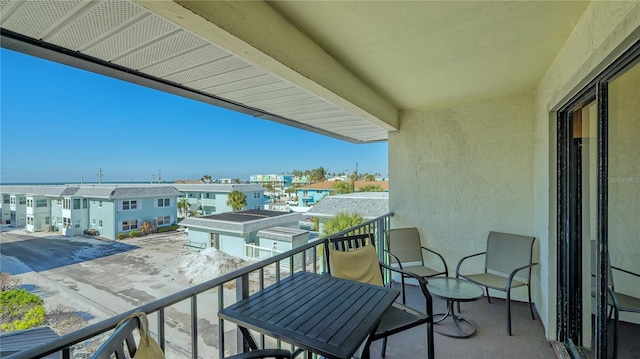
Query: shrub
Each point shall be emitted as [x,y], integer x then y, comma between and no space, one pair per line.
[168,228]
[134,234]
[20,310]
[122,236]
[8,281]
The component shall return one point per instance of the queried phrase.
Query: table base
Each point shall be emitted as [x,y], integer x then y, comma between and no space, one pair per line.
[456,319]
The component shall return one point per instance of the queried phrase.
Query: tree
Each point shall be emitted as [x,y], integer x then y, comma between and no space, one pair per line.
[269,186]
[206,179]
[237,200]
[184,206]
[370,188]
[317,175]
[368,177]
[342,187]
[147,227]
[342,221]
[236,180]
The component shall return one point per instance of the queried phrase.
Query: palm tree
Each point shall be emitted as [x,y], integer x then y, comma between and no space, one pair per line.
[370,188]
[237,200]
[342,187]
[183,206]
[340,222]
[206,179]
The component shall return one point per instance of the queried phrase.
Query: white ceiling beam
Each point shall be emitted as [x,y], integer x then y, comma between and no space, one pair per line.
[257,33]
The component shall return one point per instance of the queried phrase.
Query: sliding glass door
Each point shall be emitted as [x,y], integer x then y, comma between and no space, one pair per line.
[599,203]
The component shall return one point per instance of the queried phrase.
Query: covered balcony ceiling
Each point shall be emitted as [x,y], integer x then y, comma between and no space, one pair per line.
[343,69]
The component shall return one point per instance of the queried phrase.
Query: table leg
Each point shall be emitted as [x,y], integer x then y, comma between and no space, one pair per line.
[456,318]
[248,338]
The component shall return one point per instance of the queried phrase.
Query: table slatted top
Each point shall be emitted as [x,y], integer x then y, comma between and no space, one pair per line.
[326,315]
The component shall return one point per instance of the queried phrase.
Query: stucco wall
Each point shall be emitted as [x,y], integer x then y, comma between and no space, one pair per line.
[603,33]
[463,170]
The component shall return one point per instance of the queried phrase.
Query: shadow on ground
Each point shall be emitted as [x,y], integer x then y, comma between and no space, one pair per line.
[45,253]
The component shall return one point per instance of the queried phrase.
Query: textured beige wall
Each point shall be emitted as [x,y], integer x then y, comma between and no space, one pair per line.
[624,182]
[463,170]
[602,34]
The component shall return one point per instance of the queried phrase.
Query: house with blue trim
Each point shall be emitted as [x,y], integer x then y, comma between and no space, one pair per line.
[108,209]
[207,199]
[232,232]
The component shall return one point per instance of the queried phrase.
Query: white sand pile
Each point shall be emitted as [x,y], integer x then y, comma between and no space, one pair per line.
[208,264]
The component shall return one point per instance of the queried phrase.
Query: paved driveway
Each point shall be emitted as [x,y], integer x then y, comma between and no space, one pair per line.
[101,278]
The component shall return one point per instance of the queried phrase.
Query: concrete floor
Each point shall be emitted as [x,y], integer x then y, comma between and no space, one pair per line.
[103,278]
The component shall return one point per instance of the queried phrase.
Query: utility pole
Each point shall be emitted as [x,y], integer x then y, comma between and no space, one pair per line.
[99,175]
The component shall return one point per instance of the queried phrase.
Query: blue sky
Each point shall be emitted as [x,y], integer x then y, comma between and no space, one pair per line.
[61,124]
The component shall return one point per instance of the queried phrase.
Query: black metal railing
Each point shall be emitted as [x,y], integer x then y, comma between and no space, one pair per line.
[308,257]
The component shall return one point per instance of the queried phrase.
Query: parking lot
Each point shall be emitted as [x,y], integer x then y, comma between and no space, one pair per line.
[101,278]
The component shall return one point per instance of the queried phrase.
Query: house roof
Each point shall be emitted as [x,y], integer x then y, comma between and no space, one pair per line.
[217,187]
[106,191]
[283,234]
[13,342]
[328,185]
[369,205]
[242,222]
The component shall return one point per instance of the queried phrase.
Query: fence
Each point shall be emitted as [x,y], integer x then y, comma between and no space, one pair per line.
[220,293]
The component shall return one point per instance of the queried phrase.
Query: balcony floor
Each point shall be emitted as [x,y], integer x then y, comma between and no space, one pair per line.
[490,341]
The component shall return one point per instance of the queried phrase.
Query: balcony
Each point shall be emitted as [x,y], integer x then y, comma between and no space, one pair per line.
[203,301]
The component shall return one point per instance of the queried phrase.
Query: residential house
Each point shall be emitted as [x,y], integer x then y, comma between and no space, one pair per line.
[368,205]
[232,232]
[5,200]
[278,181]
[311,194]
[106,208]
[518,116]
[212,198]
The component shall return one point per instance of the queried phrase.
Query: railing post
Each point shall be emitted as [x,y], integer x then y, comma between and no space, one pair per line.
[242,292]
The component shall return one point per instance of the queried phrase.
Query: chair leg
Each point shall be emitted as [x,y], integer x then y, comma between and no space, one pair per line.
[430,344]
[530,304]
[509,312]
[616,314]
[404,299]
[384,346]
[488,296]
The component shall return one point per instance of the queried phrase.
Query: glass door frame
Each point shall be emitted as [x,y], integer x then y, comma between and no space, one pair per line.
[569,221]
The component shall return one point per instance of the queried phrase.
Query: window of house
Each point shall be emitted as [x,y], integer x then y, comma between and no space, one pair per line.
[66,203]
[59,202]
[41,202]
[13,200]
[163,220]
[30,203]
[100,223]
[76,203]
[47,220]
[85,202]
[256,207]
[23,200]
[93,222]
[164,202]
[129,225]
[206,195]
[6,200]
[29,220]
[66,222]
[127,205]
[100,204]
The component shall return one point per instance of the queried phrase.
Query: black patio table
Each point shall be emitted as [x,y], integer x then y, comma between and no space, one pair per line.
[319,313]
